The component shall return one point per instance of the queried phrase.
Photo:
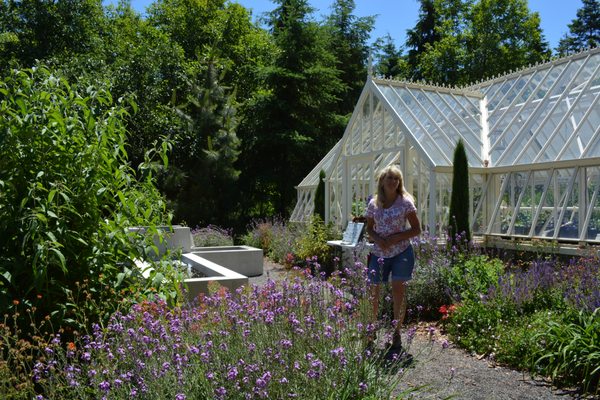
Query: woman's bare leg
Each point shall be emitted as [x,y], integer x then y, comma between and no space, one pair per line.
[399,296]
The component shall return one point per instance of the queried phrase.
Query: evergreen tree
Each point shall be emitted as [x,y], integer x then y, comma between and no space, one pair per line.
[436,45]
[458,223]
[460,41]
[389,60]
[294,123]
[422,35]
[348,44]
[320,197]
[584,31]
[201,180]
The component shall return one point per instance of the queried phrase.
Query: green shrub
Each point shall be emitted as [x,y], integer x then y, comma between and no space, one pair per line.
[312,244]
[67,196]
[516,342]
[472,277]
[458,220]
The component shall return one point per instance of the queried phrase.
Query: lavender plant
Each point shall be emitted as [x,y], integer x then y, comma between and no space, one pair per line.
[297,339]
[212,235]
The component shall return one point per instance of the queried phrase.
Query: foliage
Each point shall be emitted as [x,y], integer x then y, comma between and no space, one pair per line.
[207,148]
[390,62]
[276,237]
[427,290]
[312,244]
[320,197]
[472,277]
[294,339]
[541,317]
[457,42]
[504,35]
[212,235]
[458,220]
[67,196]
[584,31]
[348,44]
[303,78]
[571,351]
[58,29]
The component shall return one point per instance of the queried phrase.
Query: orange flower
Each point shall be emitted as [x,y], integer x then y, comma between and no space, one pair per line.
[71,346]
[16,302]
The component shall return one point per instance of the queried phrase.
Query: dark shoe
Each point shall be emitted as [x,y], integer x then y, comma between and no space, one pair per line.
[396,342]
[399,358]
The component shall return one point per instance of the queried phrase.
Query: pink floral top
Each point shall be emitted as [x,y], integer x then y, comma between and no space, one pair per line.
[389,221]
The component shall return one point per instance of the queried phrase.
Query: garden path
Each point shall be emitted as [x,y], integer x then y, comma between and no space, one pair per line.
[451,372]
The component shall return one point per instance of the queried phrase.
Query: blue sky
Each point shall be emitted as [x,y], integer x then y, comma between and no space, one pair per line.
[396,16]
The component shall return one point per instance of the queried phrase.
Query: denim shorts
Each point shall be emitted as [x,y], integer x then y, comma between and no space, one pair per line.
[400,266]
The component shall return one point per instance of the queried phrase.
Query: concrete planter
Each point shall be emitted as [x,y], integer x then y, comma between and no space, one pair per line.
[213,273]
[244,260]
[175,238]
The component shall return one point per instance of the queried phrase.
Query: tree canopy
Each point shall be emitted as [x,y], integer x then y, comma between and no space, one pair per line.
[248,109]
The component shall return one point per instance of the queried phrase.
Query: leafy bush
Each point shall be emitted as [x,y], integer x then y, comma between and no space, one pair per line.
[471,277]
[292,243]
[67,196]
[312,244]
[276,237]
[212,236]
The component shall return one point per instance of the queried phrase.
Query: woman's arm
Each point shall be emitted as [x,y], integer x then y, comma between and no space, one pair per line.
[374,236]
[415,229]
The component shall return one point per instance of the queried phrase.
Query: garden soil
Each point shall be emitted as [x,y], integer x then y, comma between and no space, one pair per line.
[445,371]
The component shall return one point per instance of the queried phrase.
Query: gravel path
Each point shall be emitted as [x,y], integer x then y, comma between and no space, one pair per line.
[449,372]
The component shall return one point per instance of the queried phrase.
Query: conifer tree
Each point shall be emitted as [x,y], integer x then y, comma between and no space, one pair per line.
[584,31]
[458,223]
[320,196]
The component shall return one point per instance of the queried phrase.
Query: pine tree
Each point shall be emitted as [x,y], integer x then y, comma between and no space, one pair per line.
[348,44]
[584,31]
[295,120]
[458,223]
[320,197]
[390,62]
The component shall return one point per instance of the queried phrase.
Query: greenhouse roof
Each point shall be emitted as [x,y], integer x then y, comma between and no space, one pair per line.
[543,113]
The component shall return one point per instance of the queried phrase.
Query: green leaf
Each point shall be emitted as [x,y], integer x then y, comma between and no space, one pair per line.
[61,258]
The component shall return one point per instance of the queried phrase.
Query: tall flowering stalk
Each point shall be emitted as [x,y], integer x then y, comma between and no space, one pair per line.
[296,339]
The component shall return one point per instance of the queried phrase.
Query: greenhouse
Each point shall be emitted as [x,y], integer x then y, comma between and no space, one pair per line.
[532,139]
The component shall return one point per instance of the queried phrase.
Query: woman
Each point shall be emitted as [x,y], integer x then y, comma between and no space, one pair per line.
[387,214]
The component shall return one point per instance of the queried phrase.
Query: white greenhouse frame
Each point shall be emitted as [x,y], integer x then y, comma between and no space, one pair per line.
[532,139]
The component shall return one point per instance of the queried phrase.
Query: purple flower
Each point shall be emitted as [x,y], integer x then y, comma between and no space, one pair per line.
[362,387]
[104,386]
[232,373]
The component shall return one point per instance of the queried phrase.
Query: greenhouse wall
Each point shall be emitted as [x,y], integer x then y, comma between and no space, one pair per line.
[532,139]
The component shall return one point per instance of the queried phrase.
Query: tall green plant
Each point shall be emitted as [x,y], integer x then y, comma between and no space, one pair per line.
[67,195]
[458,223]
[320,196]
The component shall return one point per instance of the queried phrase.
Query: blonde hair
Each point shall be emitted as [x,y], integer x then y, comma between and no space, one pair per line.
[395,171]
